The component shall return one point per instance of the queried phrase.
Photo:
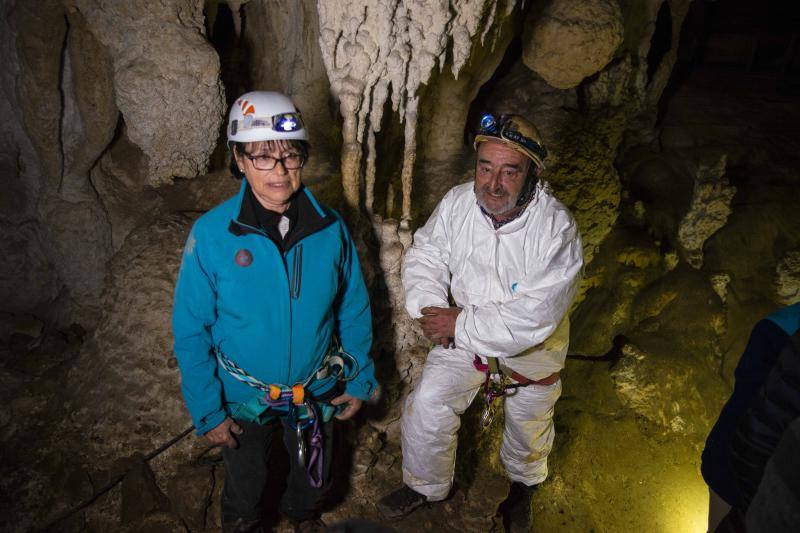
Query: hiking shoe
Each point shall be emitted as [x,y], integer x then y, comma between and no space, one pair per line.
[310,526]
[516,509]
[400,503]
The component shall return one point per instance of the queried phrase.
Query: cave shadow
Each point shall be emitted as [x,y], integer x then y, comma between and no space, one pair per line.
[235,58]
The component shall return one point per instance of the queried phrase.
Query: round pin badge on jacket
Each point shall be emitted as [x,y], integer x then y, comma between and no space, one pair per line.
[244,258]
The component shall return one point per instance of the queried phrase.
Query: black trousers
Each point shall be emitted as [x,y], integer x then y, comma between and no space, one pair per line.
[246,474]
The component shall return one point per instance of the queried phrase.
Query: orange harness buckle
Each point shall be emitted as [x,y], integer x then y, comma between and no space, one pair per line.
[298,394]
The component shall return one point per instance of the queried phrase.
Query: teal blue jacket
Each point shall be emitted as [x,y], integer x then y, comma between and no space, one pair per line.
[271,312]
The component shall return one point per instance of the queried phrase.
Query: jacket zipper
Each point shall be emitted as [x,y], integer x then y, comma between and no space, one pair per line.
[294,282]
[297,271]
[290,283]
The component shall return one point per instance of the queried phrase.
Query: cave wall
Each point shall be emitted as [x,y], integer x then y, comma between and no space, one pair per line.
[104,102]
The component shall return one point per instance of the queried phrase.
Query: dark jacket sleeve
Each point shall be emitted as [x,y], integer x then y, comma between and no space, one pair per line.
[760,430]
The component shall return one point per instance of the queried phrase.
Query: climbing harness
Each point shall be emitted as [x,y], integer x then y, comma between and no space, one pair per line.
[499,382]
[303,411]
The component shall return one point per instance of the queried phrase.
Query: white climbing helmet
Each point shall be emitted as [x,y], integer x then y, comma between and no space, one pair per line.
[264,116]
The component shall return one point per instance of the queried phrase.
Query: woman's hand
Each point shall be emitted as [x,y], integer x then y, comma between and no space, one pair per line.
[353,405]
[223,434]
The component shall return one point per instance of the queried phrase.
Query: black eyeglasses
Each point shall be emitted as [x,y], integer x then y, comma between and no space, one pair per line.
[265,162]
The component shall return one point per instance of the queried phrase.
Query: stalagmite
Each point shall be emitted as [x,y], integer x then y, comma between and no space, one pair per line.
[709,209]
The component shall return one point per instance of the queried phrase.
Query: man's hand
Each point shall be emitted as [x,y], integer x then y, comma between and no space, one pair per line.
[223,434]
[353,405]
[439,324]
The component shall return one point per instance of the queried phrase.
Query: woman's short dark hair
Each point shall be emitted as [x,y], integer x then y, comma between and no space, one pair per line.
[239,148]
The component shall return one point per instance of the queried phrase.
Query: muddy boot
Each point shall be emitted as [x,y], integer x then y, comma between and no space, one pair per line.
[516,509]
[400,503]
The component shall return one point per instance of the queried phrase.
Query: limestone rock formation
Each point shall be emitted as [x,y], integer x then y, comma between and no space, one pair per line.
[40,34]
[708,211]
[668,372]
[81,245]
[686,197]
[570,40]
[90,112]
[625,263]
[394,241]
[27,277]
[132,351]
[787,282]
[379,50]
[166,80]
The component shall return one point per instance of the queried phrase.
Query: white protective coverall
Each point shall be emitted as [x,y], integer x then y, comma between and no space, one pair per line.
[514,286]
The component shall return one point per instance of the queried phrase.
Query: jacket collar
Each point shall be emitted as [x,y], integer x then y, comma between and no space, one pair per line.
[311,217]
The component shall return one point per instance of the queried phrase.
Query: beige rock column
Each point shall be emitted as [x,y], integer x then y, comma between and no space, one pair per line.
[166,80]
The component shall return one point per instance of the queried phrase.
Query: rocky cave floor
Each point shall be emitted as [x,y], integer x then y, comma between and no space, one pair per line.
[612,468]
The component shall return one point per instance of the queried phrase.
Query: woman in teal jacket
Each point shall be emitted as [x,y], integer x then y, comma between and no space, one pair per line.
[269,288]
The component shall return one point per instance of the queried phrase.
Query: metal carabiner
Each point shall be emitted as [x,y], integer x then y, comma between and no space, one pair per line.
[488,415]
[301,447]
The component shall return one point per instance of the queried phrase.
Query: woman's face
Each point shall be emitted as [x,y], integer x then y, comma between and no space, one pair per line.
[264,165]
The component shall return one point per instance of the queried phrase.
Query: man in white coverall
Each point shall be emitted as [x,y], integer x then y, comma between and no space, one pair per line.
[510,256]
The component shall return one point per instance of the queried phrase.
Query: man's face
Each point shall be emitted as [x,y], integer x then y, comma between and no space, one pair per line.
[499,177]
[272,188]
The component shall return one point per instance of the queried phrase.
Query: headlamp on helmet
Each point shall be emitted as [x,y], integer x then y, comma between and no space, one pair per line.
[515,132]
[284,123]
[265,116]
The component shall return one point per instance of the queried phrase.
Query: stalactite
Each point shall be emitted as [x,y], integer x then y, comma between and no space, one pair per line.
[409,156]
[351,150]
[379,96]
[369,199]
[236,10]
[368,46]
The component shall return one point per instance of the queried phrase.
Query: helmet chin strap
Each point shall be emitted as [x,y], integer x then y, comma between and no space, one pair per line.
[531,179]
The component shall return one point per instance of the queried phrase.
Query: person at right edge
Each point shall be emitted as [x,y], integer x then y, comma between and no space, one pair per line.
[767,338]
[510,256]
